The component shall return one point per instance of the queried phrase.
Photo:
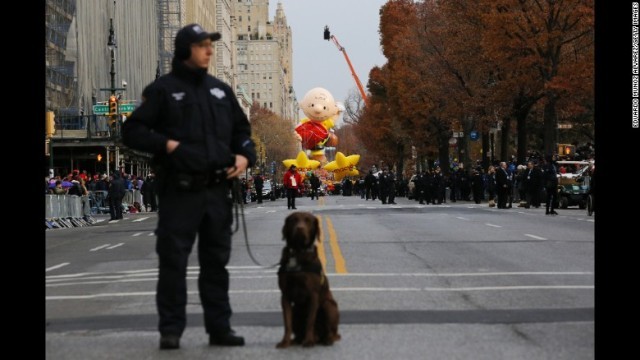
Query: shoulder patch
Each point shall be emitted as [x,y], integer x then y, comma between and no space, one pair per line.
[178,96]
[218,93]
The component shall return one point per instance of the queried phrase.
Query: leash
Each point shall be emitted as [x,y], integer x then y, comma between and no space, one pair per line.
[236,197]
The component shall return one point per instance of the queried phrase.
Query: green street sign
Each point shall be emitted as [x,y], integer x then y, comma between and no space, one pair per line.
[126,108]
[100,109]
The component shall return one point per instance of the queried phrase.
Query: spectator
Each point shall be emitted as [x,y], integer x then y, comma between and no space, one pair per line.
[58,189]
[292,181]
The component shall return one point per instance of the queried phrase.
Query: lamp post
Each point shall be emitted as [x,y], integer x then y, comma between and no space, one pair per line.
[112,46]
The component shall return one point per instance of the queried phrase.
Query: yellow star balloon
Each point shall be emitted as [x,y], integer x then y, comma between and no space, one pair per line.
[343,166]
[302,163]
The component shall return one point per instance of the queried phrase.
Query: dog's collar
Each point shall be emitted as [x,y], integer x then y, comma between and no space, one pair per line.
[309,249]
[293,265]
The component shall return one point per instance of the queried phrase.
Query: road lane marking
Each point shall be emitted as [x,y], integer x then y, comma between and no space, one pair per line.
[150,234]
[497,226]
[535,237]
[100,247]
[56,267]
[461,218]
[469,274]
[335,249]
[193,270]
[115,246]
[335,288]
[192,275]
[141,219]
[137,234]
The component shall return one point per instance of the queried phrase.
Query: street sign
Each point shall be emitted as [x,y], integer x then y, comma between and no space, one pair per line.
[474,135]
[100,109]
[565,126]
[126,108]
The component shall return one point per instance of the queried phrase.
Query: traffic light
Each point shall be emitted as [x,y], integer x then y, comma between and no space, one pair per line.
[570,150]
[113,119]
[50,124]
[113,105]
[566,150]
[99,157]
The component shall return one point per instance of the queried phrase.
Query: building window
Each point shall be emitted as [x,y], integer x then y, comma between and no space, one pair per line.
[265,105]
[271,105]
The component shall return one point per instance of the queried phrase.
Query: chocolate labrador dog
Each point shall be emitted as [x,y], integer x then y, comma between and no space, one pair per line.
[309,310]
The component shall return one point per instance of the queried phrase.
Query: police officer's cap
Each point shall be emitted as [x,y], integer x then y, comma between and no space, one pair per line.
[191,34]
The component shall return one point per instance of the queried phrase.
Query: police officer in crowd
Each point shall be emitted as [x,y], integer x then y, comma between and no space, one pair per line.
[201,141]
[314,181]
[437,187]
[503,185]
[383,185]
[116,193]
[532,184]
[369,185]
[258,184]
[550,176]
[477,185]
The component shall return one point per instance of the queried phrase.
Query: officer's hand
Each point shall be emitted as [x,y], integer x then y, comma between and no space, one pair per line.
[172,145]
[238,168]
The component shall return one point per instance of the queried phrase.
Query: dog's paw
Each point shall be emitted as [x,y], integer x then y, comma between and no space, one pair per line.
[283,344]
[308,343]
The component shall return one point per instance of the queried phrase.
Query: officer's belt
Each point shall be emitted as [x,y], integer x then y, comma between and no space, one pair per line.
[199,181]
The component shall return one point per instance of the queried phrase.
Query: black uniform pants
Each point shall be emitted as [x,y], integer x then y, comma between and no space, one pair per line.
[259,195]
[291,198]
[115,207]
[552,192]
[503,194]
[207,214]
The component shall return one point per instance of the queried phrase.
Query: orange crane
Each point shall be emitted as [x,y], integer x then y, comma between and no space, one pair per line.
[328,36]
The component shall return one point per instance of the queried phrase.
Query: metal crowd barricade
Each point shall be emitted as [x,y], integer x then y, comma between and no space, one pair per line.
[67,211]
[130,198]
[98,201]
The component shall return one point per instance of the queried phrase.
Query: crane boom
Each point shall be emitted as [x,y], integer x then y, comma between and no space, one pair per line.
[353,72]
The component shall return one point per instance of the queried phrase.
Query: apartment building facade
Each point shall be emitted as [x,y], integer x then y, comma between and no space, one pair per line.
[253,56]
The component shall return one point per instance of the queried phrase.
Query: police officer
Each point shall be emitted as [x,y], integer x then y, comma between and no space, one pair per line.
[200,138]
[258,184]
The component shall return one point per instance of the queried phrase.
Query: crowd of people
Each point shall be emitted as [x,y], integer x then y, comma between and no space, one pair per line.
[501,185]
[112,190]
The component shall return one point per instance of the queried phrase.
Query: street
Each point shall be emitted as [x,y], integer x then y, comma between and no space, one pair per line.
[451,281]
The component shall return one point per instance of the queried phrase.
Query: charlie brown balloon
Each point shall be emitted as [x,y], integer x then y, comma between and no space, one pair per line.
[313,131]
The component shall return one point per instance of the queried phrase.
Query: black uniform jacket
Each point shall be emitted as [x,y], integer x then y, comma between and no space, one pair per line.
[199,111]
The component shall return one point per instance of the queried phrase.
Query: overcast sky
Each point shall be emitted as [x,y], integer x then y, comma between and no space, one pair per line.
[318,62]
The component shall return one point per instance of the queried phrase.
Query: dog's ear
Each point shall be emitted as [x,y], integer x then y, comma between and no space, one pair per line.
[316,229]
[286,228]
